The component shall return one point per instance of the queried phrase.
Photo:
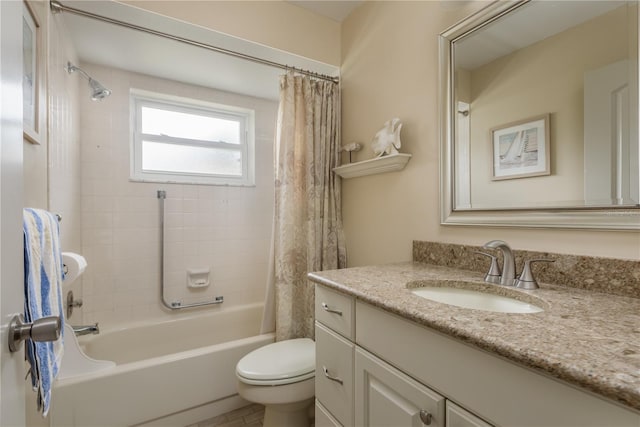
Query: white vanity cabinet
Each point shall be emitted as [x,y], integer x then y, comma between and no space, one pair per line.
[387,397]
[492,388]
[356,388]
[384,370]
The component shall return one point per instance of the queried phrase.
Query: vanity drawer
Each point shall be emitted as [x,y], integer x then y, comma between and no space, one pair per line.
[324,417]
[334,374]
[336,311]
[460,417]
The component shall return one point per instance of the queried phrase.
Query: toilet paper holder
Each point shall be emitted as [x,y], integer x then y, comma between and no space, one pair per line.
[73,266]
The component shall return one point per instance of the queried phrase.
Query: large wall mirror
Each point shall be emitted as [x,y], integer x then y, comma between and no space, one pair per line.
[539,118]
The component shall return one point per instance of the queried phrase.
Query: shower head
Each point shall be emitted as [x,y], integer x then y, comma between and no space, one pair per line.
[98,92]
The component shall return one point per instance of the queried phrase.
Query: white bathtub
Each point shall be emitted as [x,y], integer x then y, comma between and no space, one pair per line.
[174,372]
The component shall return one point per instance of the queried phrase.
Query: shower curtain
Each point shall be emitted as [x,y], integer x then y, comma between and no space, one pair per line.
[307,229]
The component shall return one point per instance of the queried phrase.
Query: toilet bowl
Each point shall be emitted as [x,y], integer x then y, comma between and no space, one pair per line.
[280,376]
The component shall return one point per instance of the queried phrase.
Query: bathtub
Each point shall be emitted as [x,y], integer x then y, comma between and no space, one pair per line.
[173,372]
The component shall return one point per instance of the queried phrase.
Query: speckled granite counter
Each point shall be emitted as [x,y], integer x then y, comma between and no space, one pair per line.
[588,339]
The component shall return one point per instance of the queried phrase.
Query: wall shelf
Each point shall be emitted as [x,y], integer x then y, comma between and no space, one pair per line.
[394,162]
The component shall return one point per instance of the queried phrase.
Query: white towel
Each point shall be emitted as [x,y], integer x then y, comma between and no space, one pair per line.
[43,296]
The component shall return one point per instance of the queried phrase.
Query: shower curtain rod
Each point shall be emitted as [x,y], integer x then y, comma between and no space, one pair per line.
[57,7]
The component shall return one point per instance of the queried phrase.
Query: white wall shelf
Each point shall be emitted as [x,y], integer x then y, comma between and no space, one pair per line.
[393,162]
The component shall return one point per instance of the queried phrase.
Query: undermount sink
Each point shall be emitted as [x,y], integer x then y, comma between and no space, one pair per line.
[477,296]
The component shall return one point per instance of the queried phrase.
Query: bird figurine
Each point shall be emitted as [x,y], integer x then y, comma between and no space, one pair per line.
[387,139]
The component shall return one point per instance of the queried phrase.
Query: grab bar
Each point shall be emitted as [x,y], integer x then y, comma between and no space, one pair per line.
[174,305]
[178,304]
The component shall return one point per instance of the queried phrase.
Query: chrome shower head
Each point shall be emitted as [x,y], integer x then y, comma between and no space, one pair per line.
[98,91]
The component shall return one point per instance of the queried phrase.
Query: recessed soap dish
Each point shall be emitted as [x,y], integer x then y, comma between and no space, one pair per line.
[198,278]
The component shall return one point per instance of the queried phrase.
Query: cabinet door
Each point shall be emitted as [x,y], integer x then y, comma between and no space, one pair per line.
[459,417]
[386,397]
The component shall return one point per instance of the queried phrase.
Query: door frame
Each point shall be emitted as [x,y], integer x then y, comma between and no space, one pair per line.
[12,373]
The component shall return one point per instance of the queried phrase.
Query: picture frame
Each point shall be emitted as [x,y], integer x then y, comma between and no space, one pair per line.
[32,78]
[521,149]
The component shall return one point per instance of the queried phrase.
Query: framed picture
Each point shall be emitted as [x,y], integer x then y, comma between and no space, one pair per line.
[31,75]
[521,149]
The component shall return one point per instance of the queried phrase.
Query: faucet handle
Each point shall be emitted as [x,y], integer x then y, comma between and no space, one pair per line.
[494,274]
[526,279]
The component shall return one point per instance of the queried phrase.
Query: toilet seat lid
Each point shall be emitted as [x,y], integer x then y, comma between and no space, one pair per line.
[282,362]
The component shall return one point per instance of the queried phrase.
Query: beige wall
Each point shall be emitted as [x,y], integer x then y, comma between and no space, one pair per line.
[390,69]
[552,83]
[276,24]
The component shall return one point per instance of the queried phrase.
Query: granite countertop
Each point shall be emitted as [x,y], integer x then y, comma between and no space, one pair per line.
[588,339]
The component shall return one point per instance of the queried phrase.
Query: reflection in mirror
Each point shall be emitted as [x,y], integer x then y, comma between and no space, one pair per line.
[544,111]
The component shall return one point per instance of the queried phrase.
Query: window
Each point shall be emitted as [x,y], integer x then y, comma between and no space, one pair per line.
[189,141]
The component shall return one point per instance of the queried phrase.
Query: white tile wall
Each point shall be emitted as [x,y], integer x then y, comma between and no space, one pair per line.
[225,229]
[64,174]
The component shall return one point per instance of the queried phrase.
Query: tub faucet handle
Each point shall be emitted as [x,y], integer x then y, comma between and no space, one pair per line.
[494,273]
[71,303]
[526,279]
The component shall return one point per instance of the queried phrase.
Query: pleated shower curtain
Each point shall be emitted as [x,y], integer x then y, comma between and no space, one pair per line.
[307,232]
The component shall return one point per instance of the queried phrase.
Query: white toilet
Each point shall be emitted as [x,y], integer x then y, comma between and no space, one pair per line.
[280,376]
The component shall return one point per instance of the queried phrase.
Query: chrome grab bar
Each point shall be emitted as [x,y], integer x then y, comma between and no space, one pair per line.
[178,304]
[330,310]
[174,305]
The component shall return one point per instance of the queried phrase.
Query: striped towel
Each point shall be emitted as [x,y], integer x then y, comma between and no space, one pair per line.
[43,297]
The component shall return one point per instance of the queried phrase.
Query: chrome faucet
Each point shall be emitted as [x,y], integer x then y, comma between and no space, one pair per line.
[508,261]
[86,329]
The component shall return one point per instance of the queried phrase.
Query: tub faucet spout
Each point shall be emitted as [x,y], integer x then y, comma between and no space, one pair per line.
[508,261]
[86,329]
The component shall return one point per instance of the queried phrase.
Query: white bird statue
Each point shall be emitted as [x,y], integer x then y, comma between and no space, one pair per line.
[387,139]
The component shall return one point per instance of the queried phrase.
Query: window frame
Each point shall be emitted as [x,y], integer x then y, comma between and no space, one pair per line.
[244,116]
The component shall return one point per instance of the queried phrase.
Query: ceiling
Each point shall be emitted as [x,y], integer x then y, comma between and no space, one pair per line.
[336,10]
[111,45]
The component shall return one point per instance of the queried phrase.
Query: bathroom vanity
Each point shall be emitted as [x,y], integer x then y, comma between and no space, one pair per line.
[385,356]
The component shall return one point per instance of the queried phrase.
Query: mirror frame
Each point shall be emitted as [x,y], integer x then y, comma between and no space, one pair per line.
[623,218]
